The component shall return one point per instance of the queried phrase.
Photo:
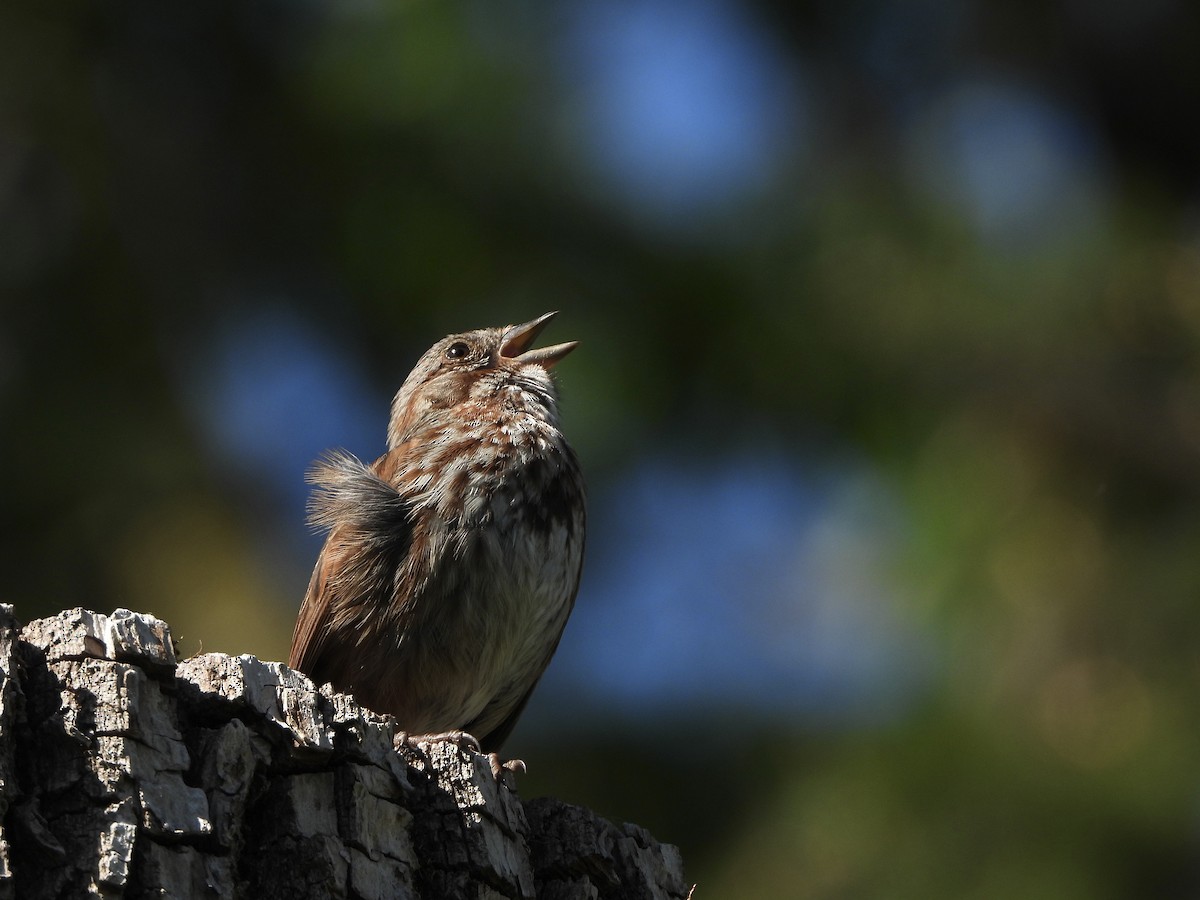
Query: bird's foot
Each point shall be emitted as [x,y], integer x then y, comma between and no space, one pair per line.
[507,766]
[460,739]
[464,741]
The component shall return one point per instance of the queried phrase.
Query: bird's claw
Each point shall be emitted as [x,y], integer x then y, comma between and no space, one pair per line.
[508,766]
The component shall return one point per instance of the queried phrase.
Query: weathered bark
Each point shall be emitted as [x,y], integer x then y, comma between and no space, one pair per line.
[123,773]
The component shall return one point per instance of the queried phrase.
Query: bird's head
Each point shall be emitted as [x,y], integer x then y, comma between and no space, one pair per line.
[473,367]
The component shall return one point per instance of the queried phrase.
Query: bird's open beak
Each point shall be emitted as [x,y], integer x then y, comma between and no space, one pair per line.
[517,339]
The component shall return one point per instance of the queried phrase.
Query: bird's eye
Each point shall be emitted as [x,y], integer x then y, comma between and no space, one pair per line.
[457,350]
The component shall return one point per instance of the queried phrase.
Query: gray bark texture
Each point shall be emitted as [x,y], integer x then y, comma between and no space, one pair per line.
[126,774]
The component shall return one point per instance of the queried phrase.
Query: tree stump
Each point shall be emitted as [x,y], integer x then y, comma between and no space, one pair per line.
[126,774]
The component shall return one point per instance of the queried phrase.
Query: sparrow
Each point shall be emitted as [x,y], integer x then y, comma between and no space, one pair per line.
[452,561]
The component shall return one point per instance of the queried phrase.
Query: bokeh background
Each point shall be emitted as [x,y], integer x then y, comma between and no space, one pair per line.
[888,392]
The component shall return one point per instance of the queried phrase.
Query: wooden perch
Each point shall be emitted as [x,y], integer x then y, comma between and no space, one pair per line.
[124,773]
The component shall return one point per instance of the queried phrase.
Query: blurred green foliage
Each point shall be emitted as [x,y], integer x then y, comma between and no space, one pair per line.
[392,172]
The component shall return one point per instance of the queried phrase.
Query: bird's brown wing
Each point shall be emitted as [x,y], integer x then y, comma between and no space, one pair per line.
[365,513]
[312,623]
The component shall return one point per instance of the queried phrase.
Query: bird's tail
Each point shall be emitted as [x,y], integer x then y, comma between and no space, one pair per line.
[349,494]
